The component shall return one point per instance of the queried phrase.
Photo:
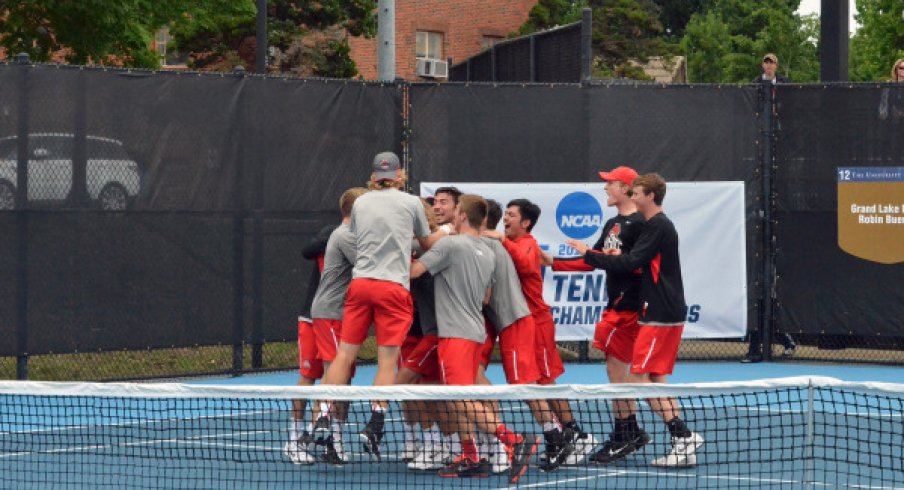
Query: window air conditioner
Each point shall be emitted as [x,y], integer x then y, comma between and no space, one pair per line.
[431,68]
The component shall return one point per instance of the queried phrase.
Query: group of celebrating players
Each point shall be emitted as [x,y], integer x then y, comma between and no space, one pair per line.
[441,302]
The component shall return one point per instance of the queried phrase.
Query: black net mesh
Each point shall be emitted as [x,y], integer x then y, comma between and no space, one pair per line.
[779,434]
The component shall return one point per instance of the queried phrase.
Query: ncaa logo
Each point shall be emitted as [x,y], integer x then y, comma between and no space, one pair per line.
[579,215]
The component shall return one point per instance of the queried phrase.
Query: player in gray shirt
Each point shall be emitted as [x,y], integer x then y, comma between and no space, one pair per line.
[462,266]
[383,222]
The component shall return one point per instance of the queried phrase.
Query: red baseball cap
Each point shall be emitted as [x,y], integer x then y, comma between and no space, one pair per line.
[622,174]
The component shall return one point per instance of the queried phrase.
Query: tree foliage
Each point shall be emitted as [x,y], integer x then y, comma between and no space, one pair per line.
[547,14]
[725,43]
[879,41]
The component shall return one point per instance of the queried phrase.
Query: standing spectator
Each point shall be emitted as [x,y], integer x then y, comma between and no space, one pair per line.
[770,69]
[897,71]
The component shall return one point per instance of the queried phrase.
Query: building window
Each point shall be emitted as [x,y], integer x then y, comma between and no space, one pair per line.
[429,45]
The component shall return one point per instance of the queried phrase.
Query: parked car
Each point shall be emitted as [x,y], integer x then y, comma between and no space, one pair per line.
[112,177]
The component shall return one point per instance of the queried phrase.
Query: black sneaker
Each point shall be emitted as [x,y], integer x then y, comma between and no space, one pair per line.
[520,456]
[463,467]
[323,434]
[789,351]
[749,358]
[373,434]
[334,457]
[614,450]
[558,448]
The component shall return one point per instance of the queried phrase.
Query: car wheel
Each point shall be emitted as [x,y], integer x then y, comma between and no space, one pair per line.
[113,197]
[7,195]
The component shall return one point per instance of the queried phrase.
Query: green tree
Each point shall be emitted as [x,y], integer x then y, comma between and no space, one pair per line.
[312,35]
[547,14]
[879,41]
[725,43]
[675,14]
[627,30]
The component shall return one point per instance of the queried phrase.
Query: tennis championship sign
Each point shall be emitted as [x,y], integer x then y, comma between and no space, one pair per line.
[871,213]
[709,217]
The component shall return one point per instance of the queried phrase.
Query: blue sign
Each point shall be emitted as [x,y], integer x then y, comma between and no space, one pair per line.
[579,215]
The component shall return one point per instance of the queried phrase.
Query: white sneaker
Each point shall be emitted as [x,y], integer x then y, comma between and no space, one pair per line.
[427,460]
[583,443]
[683,453]
[298,454]
[410,451]
[498,458]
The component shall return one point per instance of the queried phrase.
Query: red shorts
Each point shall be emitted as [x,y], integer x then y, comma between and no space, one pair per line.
[309,365]
[616,333]
[486,350]
[518,348]
[385,304]
[458,360]
[424,358]
[548,361]
[327,334]
[656,349]
[408,345]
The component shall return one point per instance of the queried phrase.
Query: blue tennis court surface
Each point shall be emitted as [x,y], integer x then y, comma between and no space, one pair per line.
[763,438]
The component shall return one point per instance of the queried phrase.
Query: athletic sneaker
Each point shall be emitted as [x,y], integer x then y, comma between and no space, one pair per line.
[373,434]
[429,458]
[463,467]
[520,455]
[683,453]
[323,434]
[409,451]
[498,458]
[583,443]
[335,454]
[615,450]
[558,449]
[297,451]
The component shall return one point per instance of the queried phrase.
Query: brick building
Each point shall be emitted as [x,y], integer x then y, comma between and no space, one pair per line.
[440,29]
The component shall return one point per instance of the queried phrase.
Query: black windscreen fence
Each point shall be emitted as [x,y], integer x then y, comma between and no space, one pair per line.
[168,211]
[552,56]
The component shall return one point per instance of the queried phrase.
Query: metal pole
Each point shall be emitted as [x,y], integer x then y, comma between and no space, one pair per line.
[586,43]
[22,222]
[768,238]
[834,40]
[260,54]
[386,62]
[238,245]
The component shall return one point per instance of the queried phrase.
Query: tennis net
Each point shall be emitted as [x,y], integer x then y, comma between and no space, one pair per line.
[783,433]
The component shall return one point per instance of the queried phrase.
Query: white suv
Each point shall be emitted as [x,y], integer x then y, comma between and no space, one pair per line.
[112,177]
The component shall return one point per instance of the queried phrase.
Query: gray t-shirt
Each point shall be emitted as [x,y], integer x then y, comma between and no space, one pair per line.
[383,223]
[329,300]
[462,268]
[507,304]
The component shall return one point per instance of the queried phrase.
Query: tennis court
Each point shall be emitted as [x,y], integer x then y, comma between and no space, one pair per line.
[803,432]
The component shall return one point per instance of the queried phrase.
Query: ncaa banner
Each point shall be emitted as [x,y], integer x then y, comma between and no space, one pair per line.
[709,217]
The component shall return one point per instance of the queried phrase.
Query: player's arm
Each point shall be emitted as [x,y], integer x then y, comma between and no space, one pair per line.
[488,296]
[417,269]
[641,254]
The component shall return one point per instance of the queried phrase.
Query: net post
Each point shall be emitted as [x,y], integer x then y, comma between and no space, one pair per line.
[808,449]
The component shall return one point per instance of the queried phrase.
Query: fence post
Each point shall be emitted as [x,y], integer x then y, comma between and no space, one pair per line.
[22,221]
[586,44]
[533,58]
[78,195]
[238,244]
[768,293]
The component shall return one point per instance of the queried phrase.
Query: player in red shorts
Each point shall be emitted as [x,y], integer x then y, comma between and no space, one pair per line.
[383,222]
[299,448]
[662,310]
[508,313]
[520,217]
[462,267]
[327,306]
[617,330]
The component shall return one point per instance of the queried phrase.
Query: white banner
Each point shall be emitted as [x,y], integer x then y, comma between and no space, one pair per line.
[709,217]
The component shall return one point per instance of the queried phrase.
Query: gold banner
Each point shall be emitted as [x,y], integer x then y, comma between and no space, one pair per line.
[871,220]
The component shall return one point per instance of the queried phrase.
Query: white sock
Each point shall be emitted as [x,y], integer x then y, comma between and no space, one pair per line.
[324,409]
[296,429]
[455,441]
[337,431]
[376,407]
[548,426]
[433,435]
[411,433]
